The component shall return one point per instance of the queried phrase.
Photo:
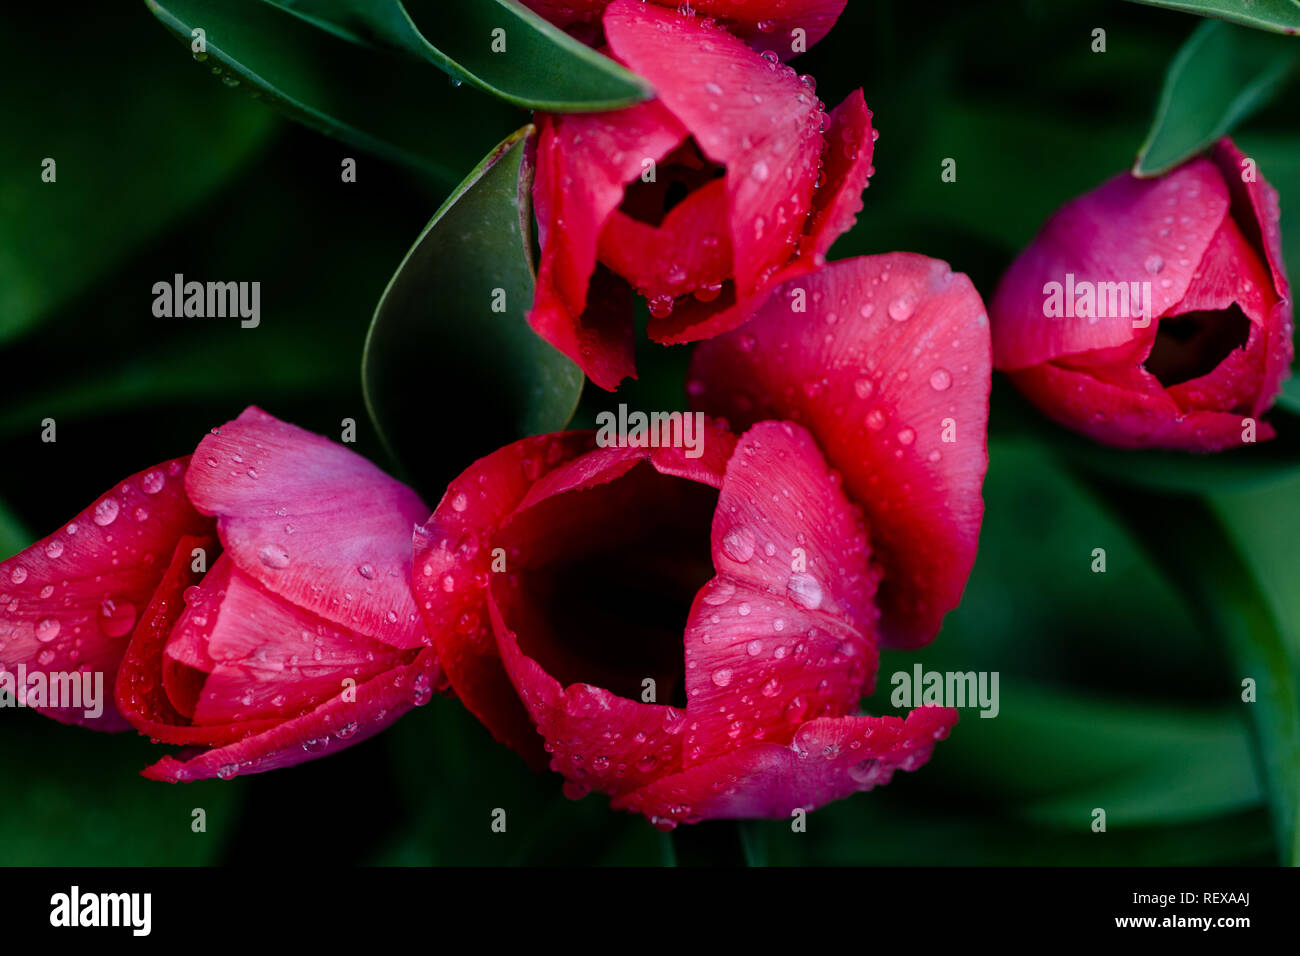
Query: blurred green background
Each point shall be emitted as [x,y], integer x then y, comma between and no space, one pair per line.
[1118,690]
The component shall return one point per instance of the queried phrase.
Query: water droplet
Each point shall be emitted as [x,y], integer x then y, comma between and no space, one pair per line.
[366,571]
[804,591]
[1154,264]
[18,575]
[901,309]
[720,592]
[54,549]
[876,419]
[273,556]
[940,379]
[116,618]
[152,481]
[759,171]
[863,388]
[459,502]
[906,436]
[722,676]
[47,630]
[228,771]
[754,648]
[105,512]
[738,544]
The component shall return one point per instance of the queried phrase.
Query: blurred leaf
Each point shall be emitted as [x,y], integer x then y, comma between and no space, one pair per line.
[440,310]
[1290,397]
[1051,756]
[541,68]
[1279,16]
[83,803]
[1205,547]
[14,536]
[385,104]
[131,133]
[1220,76]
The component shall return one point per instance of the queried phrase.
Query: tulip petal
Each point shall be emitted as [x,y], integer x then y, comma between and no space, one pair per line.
[846,166]
[829,759]
[452,565]
[274,660]
[1255,205]
[335,725]
[1125,417]
[68,603]
[584,162]
[596,739]
[314,523]
[890,372]
[752,116]
[1128,230]
[673,258]
[787,629]
[140,694]
[766,24]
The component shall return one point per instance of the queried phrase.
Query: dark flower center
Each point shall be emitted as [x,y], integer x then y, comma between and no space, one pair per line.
[605,597]
[1191,345]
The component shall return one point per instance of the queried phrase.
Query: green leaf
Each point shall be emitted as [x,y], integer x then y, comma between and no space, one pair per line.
[384,104]
[134,150]
[541,67]
[1221,75]
[1278,16]
[14,535]
[440,312]
[1235,559]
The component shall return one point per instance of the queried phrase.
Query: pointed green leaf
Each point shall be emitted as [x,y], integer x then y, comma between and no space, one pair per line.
[1235,559]
[385,104]
[1221,75]
[1278,16]
[500,46]
[439,326]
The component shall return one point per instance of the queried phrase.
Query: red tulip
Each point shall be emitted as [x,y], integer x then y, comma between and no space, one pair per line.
[551,571]
[1154,312]
[702,199]
[886,361]
[253,601]
[766,24]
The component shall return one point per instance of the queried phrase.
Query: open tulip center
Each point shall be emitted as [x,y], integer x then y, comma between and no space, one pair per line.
[660,189]
[1194,344]
[604,597]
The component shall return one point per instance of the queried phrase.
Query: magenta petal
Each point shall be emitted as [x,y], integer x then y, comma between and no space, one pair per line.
[829,759]
[453,561]
[1128,230]
[888,367]
[584,162]
[788,625]
[314,523]
[846,164]
[595,738]
[752,116]
[69,603]
[335,725]
[272,659]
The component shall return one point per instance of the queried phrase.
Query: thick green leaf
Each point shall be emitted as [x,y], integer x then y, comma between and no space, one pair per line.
[541,67]
[1235,558]
[135,149]
[1220,76]
[1278,16]
[442,310]
[381,103]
